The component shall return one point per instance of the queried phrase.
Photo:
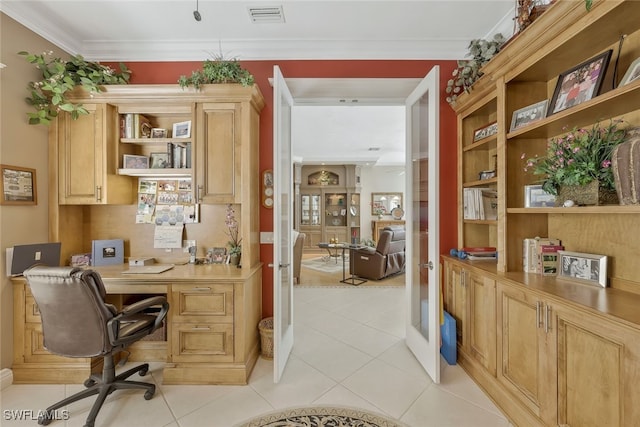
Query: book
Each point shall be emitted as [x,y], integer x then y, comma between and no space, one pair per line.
[548,259]
[531,253]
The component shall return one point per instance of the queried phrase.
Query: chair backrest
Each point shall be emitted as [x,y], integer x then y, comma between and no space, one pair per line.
[392,240]
[298,245]
[73,311]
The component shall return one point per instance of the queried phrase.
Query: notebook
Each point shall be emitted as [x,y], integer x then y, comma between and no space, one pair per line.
[148,269]
[25,256]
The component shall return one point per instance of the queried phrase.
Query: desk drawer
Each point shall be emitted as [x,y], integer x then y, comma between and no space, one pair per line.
[208,303]
[207,343]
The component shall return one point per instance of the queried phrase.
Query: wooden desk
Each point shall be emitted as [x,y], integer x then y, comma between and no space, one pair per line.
[212,326]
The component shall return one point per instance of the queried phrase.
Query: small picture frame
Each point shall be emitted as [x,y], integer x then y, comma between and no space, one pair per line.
[632,74]
[18,186]
[580,83]
[536,197]
[159,160]
[485,131]
[158,133]
[529,114]
[131,161]
[182,129]
[586,268]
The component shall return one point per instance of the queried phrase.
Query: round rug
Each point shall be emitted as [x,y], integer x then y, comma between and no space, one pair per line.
[322,416]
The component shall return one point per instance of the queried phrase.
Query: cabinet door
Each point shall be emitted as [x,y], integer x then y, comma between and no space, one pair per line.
[219,153]
[481,339]
[456,297]
[598,376]
[526,351]
[87,159]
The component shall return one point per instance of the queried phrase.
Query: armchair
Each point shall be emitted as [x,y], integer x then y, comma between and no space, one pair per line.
[386,259]
[77,322]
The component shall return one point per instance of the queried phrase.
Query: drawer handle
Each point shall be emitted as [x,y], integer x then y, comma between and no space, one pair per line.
[201,328]
[202,289]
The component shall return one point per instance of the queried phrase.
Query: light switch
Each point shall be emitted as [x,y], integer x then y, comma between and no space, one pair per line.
[266,237]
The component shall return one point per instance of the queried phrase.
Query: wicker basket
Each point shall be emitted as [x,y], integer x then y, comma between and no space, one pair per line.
[266,337]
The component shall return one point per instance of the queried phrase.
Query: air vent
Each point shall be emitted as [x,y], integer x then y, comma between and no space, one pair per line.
[374,148]
[264,14]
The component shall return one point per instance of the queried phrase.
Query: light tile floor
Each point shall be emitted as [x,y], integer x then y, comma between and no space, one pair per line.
[349,351]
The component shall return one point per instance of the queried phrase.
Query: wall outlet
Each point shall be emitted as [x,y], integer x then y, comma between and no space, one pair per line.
[186,244]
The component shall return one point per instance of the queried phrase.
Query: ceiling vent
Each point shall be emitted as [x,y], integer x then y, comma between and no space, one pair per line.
[266,14]
[374,148]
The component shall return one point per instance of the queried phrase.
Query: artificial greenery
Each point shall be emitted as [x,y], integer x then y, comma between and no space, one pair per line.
[578,157]
[59,76]
[468,71]
[218,70]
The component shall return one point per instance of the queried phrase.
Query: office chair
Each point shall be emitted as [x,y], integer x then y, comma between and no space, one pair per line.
[77,322]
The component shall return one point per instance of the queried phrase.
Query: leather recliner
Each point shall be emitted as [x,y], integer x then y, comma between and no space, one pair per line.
[386,259]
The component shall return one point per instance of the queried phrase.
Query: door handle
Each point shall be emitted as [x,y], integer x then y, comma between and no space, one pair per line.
[428,265]
[283,265]
[538,319]
[547,319]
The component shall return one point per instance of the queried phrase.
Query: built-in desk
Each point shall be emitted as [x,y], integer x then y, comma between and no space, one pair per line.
[211,329]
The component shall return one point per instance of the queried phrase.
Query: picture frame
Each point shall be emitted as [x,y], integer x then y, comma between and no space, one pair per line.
[536,197]
[632,74]
[158,133]
[159,160]
[485,131]
[131,161]
[585,268]
[182,129]
[529,114]
[18,186]
[580,83]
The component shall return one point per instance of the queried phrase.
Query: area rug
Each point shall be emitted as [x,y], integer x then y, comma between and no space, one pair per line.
[322,416]
[326,264]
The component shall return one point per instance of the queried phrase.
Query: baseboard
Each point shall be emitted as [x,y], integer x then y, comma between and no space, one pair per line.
[6,378]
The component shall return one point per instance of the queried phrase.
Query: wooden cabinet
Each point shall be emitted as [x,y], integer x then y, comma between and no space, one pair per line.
[86,159]
[471,300]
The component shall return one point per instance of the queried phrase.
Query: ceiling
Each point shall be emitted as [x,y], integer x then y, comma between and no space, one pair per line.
[166,30]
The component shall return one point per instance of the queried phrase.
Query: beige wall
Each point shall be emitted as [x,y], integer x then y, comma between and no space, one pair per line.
[24,145]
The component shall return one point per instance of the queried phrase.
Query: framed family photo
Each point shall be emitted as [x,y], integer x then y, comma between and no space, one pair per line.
[580,83]
[485,131]
[528,115]
[131,161]
[18,186]
[586,268]
[158,133]
[632,74]
[182,129]
[159,160]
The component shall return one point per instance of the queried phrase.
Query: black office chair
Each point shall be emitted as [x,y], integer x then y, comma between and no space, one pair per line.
[77,322]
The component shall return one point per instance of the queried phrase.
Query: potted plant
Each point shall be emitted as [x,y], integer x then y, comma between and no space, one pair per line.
[49,95]
[577,160]
[218,70]
[233,231]
[468,71]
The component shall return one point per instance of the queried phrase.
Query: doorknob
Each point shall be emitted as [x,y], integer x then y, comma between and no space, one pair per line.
[428,265]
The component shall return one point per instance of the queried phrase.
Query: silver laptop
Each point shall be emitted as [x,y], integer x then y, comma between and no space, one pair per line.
[25,256]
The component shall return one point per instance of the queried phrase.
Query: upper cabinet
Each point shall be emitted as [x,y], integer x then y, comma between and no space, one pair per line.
[87,159]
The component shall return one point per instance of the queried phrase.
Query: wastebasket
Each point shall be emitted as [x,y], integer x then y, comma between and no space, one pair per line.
[266,337]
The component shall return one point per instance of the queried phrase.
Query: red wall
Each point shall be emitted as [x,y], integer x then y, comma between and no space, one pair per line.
[169,72]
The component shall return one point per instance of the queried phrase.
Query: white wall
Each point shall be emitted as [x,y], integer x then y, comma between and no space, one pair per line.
[378,179]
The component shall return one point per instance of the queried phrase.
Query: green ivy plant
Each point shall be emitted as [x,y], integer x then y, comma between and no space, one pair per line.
[49,95]
[218,70]
[468,71]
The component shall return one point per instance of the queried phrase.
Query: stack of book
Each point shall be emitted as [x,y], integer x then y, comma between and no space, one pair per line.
[131,125]
[480,254]
[480,203]
[540,255]
[178,155]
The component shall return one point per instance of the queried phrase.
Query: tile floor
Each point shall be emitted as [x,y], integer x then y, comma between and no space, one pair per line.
[349,350]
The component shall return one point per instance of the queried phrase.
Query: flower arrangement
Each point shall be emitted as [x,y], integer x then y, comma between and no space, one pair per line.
[578,157]
[49,95]
[233,232]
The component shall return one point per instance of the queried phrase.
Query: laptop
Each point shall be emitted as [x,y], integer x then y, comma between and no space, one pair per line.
[25,256]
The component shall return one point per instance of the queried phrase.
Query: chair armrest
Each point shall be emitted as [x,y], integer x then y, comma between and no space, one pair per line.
[366,250]
[132,313]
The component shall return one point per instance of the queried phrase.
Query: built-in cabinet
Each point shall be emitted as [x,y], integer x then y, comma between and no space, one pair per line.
[549,352]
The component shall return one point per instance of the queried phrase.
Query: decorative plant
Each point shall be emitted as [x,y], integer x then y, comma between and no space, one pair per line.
[49,95]
[578,157]
[468,71]
[233,232]
[218,70]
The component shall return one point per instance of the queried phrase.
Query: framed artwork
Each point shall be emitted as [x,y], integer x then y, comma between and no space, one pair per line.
[18,186]
[131,161]
[632,74]
[159,160]
[536,197]
[485,131]
[580,83]
[528,115]
[182,129]
[585,268]
[158,133]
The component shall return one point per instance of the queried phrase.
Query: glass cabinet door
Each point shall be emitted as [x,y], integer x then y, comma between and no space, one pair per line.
[310,209]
